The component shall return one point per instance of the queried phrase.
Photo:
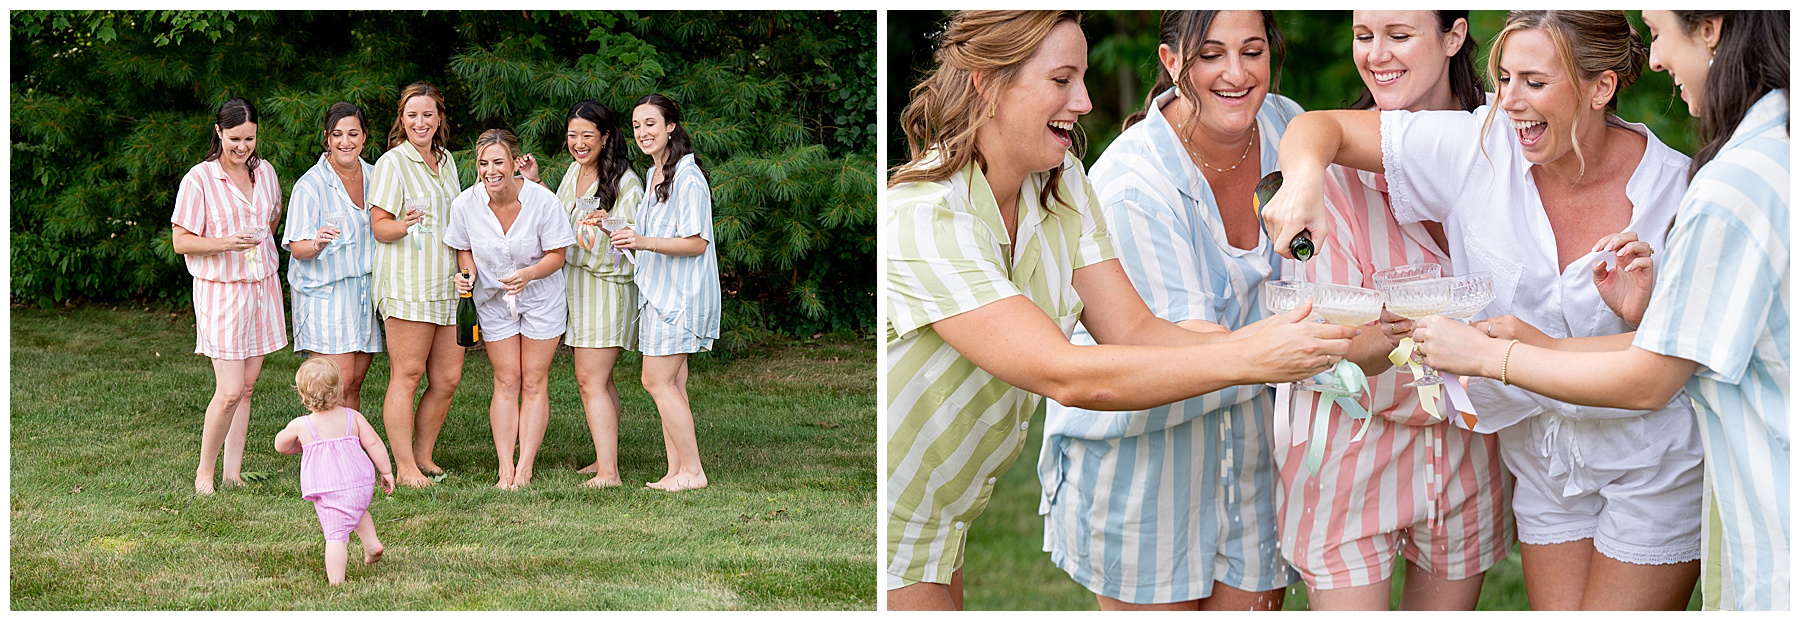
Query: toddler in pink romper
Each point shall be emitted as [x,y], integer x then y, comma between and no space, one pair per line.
[337,473]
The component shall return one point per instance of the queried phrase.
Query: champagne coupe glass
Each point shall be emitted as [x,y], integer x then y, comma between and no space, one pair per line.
[1416,271]
[1280,296]
[612,223]
[1469,294]
[584,231]
[336,217]
[1343,305]
[1415,299]
[253,254]
[423,204]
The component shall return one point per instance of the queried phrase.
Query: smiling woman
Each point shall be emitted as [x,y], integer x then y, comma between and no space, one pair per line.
[223,214]
[1529,198]
[410,194]
[995,252]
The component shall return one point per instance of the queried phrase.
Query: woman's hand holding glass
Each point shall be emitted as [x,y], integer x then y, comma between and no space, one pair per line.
[1294,349]
[416,223]
[333,229]
[1452,346]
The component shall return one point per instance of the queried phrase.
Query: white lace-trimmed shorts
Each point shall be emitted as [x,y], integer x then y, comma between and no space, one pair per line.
[1633,485]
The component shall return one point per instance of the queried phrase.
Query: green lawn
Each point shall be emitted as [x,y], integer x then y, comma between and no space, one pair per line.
[105,431]
[1005,567]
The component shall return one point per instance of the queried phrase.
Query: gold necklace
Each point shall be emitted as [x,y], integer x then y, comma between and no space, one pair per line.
[1180,130]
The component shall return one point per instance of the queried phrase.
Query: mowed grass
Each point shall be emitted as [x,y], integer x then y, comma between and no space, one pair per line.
[1005,567]
[106,413]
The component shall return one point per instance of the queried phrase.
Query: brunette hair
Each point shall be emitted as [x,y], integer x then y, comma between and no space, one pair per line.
[946,108]
[234,112]
[1465,80]
[1185,33]
[319,383]
[1589,43]
[679,145]
[613,160]
[338,112]
[1750,60]
[440,140]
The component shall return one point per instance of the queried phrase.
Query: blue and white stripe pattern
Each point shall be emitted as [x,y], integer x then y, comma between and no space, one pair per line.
[1154,506]
[334,311]
[1721,300]
[683,291]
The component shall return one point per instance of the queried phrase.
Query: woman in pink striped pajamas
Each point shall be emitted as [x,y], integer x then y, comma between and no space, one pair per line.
[340,455]
[1413,486]
[223,216]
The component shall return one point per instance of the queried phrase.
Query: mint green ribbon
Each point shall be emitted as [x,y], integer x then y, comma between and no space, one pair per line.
[1336,386]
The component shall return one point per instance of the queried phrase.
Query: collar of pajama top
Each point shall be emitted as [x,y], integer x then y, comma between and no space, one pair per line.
[1441,167]
[1171,240]
[224,210]
[320,192]
[1722,301]
[540,227]
[625,205]
[685,289]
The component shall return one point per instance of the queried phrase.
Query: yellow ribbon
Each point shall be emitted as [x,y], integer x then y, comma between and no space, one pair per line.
[1428,395]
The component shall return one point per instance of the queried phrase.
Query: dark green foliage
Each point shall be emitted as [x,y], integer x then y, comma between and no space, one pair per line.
[1318,72]
[110,109]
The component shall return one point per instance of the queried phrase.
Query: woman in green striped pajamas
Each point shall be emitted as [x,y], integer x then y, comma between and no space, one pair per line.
[410,204]
[603,300]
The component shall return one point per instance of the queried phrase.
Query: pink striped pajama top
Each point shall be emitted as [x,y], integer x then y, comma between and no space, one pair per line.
[237,297]
[1377,497]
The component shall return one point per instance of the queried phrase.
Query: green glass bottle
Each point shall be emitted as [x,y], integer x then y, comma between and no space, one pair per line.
[468,325]
[1302,244]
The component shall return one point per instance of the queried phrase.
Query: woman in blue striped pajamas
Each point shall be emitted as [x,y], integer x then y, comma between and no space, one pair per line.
[1173,507]
[329,262]
[678,275]
[1718,320]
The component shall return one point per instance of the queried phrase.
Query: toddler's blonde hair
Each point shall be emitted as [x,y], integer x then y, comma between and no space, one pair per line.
[319,384]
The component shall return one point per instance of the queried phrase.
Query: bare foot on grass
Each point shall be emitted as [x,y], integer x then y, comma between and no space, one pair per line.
[687,481]
[203,485]
[522,477]
[412,478]
[372,556]
[589,469]
[662,483]
[603,482]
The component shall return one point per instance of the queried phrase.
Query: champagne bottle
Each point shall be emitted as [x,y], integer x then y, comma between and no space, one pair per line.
[468,325]
[1302,245]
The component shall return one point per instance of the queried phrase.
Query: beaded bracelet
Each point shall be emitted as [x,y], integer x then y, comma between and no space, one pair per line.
[1504,359]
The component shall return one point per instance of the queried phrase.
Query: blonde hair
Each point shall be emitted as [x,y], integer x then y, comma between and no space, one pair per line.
[319,384]
[1589,43]
[497,137]
[946,108]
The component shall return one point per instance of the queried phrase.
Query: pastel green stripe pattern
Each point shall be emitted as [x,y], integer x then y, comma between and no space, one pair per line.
[603,299]
[408,270]
[952,428]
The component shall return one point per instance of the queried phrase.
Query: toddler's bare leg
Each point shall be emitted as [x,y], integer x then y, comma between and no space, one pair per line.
[372,548]
[334,561]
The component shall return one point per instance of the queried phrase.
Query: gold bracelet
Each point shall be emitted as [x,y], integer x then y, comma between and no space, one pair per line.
[1505,359]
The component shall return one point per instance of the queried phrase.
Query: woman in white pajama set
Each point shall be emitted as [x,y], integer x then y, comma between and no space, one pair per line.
[329,264]
[1602,495]
[512,236]
[1719,318]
